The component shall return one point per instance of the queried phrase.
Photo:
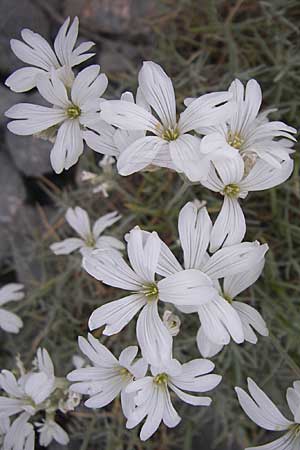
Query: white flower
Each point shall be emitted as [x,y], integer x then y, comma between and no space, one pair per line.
[30,390]
[229,179]
[68,116]
[108,377]
[246,132]
[220,321]
[50,430]
[153,398]
[20,435]
[250,318]
[9,321]
[188,287]
[264,413]
[111,141]
[172,322]
[90,238]
[36,51]
[169,139]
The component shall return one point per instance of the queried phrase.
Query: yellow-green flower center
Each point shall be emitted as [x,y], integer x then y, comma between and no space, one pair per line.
[235,140]
[295,428]
[90,241]
[125,374]
[227,298]
[231,190]
[170,134]
[73,112]
[160,379]
[151,291]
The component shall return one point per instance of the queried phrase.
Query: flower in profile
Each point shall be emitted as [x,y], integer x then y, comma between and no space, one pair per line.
[36,51]
[220,320]
[72,111]
[170,140]
[20,435]
[248,133]
[187,287]
[250,318]
[90,237]
[108,376]
[261,410]
[9,321]
[230,180]
[49,430]
[152,393]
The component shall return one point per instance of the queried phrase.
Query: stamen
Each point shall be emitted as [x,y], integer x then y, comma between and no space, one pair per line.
[125,373]
[170,134]
[227,298]
[73,112]
[235,140]
[231,190]
[150,291]
[160,379]
[90,241]
[295,428]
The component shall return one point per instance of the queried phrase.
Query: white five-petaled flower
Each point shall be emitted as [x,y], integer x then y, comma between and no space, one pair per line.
[169,142]
[264,413]
[50,430]
[229,179]
[220,321]
[90,238]
[153,398]
[65,121]
[9,321]
[108,377]
[36,51]
[30,390]
[246,132]
[187,287]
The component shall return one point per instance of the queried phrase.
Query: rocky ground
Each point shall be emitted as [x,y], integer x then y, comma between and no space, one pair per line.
[115,26]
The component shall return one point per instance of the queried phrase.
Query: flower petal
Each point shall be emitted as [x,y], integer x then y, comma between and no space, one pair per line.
[186,288]
[153,337]
[110,268]
[230,226]
[139,154]
[158,91]
[194,227]
[117,314]
[261,409]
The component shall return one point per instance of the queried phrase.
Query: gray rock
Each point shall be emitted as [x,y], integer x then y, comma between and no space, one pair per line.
[12,191]
[18,14]
[12,197]
[117,17]
[30,154]
[26,236]
[120,57]
[8,99]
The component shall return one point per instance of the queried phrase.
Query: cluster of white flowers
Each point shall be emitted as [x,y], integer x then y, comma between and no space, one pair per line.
[220,141]
[37,393]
